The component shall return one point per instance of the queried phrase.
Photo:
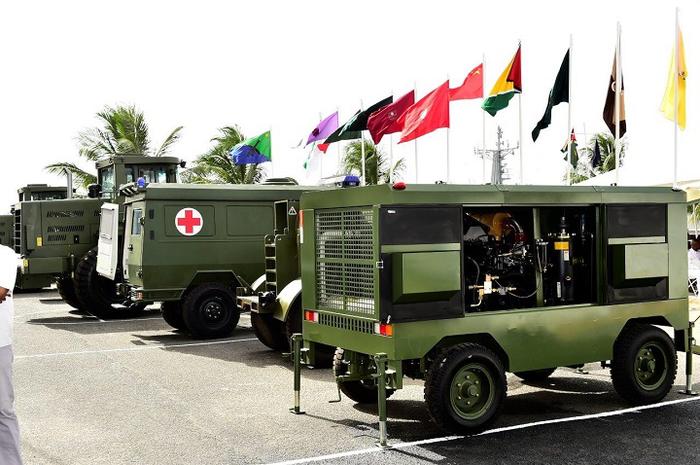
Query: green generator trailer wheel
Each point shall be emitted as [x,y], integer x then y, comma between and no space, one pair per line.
[534,376]
[362,392]
[269,330]
[465,388]
[209,310]
[66,290]
[172,314]
[644,364]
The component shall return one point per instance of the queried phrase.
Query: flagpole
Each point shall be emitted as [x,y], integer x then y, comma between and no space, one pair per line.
[337,148]
[483,123]
[520,122]
[568,165]
[391,153]
[618,89]
[447,144]
[320,166]
[675,105]
[362,151]
[272,163]
[415,141]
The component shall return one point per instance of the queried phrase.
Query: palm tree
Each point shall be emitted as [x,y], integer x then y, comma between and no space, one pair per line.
[606,144]
[123,131]
[217,167]
[376,162]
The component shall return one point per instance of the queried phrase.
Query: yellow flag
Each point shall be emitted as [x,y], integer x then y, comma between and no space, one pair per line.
[669,96]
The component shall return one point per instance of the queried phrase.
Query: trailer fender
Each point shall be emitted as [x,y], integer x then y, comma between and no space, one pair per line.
[258,284]
[287,298]
[226,277]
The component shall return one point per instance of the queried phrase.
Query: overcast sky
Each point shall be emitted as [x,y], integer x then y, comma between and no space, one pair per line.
[264,64]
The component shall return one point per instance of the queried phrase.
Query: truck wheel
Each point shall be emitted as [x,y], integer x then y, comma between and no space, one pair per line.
[534,376]
[172,314]
[644,364]
[209,310]
[465,388]
[98,295]
[66,291]
[324,353]
[269,331]
[362,392]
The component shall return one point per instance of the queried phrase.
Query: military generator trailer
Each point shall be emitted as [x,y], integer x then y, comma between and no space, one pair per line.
[457,285]
[192,246]
[57,239]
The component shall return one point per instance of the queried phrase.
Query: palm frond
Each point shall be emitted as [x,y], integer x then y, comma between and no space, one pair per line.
[168,142]
[80,176]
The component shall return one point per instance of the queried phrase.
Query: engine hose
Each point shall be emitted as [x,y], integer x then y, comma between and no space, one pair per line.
[478,270]
[516,295]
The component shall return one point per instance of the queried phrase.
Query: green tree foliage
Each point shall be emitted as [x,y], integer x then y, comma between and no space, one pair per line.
[376,162]
[606,143]
[217,167]
[122,131]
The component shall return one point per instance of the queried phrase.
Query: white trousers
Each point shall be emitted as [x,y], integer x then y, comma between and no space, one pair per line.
[9,428]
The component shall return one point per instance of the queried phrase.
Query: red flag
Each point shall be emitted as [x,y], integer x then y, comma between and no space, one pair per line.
[472,87]
[427,114]
[514,74]
[385,120]
[323,147]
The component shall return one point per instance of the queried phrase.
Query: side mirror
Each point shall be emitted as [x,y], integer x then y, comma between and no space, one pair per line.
[183,163]
[94,191]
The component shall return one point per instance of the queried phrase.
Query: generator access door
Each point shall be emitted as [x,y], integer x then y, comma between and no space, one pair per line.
[421,260]
[108,241]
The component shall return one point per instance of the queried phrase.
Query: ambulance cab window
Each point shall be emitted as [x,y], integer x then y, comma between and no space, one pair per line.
[136,222]
[129,172]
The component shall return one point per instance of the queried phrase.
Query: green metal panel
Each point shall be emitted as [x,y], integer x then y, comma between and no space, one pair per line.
[7,228]
[421,276]
[639,261]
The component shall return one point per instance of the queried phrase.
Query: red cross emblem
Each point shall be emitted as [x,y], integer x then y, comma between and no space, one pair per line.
[188,221]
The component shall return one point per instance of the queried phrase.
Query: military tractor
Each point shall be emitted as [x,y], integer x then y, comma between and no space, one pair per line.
[28,192]
[7,229]
[192,246]
[457,285]
[57,239]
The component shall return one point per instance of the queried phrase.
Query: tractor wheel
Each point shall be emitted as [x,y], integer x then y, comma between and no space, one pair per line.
[362,392]
[269,331]
[172,314]
[644,364]
[210,310]
[66,290]
[465,388]
[98,295]
[324,353]
[535,376]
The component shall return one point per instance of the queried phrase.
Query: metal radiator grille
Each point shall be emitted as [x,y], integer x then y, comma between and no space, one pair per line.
[346,323]
[345,260]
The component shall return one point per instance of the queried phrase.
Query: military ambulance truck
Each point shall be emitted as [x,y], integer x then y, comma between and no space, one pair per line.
[191,246]
[57,239]
[457,285]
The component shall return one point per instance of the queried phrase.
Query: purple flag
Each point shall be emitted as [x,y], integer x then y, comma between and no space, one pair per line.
[324,129]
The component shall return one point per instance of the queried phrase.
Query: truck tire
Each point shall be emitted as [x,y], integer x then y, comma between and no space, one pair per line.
[362,392]
[66,290]
[172,314]
[324,354]
[465,388]
[644,364]
[98,295]
[534,376]
[209,310]
[269,331]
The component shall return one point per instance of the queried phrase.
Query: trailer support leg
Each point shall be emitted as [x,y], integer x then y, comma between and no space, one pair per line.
[297,341]
[689,364]
[380,361]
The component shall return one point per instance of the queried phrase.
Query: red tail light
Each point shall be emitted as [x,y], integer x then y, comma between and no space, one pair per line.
[399,186]
[310,315]
[384,329]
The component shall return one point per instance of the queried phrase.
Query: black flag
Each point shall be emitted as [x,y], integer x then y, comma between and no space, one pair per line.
[595,159]
[609,109]
[558,94]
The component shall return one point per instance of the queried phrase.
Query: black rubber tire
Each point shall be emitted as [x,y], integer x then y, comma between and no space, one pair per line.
[535,376]
[209,311]
[66,290]
[172,314]
[324,353]
[98,295]
[448,363]
[358,391]
[269,331]
[623,367]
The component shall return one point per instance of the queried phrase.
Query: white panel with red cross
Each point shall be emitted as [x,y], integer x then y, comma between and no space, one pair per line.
[189,221]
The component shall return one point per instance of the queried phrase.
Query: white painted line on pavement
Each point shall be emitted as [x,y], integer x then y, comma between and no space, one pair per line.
[134,349]
[89,321]
[423,442]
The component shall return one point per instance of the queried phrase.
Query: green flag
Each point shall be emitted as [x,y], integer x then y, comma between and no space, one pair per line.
[558,94]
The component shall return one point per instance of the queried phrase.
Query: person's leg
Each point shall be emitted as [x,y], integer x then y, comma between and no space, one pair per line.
[9,429]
